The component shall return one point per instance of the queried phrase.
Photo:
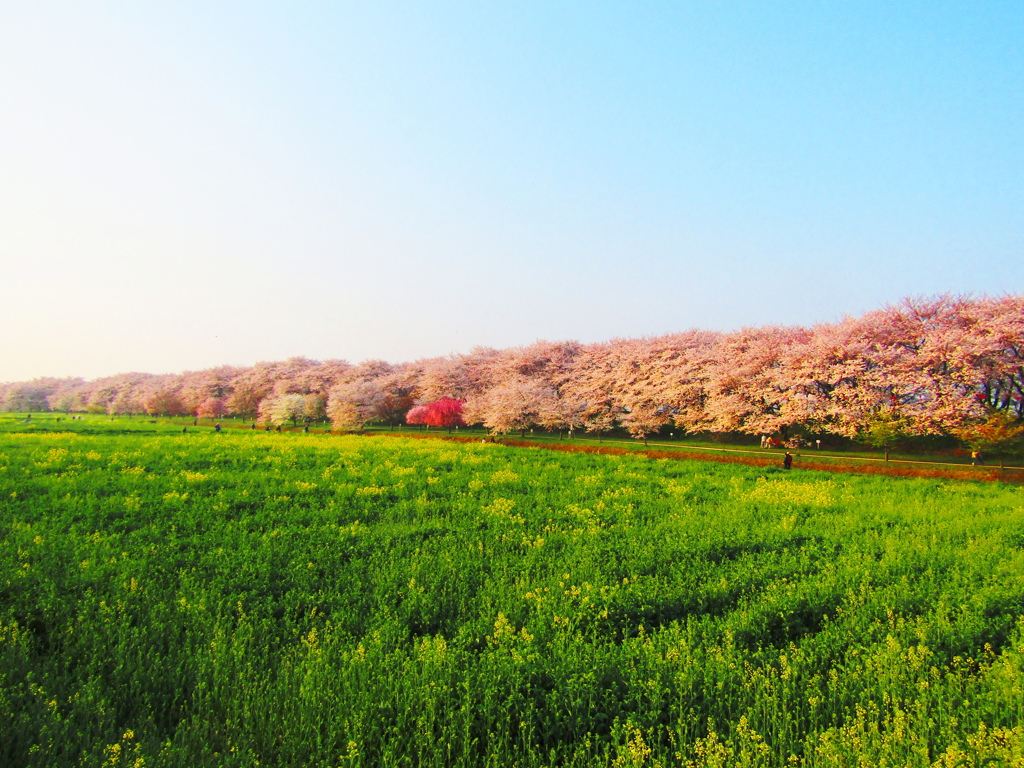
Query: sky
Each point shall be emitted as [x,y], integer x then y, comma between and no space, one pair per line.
[192,184]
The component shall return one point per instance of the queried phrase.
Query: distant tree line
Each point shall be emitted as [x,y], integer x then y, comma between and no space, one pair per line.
[946,365]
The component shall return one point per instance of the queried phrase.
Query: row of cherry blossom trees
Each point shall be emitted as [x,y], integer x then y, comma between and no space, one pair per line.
[946,365]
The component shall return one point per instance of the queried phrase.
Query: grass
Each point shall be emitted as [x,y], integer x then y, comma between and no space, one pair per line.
[243,599]
[838,452]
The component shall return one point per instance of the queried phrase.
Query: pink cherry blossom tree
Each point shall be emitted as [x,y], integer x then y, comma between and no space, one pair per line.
[944,365]
[591,384]
[315,407]
[510,406]
[454,376]
[280,409]
[199,386]
[748,387]
[989,364]
[561,413]
[34,396]
[211,408]
[417,415]
[162,399]
[63,397]
[355,403]
[297,375]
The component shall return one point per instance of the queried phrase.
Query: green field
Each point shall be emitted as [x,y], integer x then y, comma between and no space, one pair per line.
[243,599]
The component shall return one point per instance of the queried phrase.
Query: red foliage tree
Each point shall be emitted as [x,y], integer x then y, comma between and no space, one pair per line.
[446,412]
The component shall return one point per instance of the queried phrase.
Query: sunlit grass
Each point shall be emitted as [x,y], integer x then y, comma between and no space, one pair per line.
[244,598]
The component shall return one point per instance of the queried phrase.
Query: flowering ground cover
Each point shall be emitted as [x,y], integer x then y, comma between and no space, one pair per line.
[242,599]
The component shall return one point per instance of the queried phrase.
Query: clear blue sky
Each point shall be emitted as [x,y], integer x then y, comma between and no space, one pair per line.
[197,183]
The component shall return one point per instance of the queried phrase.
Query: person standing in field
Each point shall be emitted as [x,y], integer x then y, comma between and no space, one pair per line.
[976,458]
[787,460]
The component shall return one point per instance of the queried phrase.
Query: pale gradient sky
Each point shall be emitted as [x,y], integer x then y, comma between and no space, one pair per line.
[190,184]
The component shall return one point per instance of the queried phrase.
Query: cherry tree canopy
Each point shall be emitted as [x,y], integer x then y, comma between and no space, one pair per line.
[941,365]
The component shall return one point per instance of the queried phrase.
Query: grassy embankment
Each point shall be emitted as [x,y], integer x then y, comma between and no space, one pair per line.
[834,455]
[238,598]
